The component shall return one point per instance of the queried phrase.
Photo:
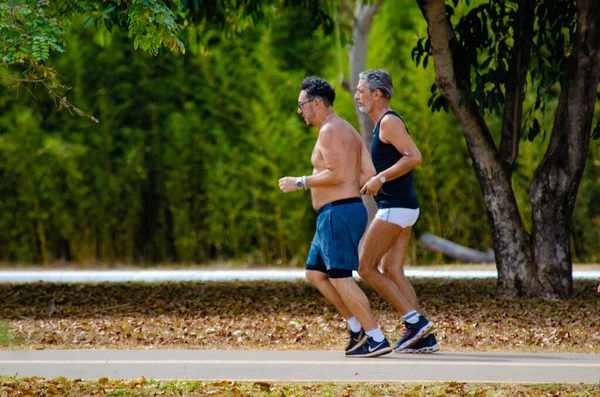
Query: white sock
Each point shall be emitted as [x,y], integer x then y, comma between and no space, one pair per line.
[376,334]
[353,324]
[412,317]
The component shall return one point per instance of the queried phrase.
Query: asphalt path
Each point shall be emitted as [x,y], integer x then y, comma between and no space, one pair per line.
[282,366]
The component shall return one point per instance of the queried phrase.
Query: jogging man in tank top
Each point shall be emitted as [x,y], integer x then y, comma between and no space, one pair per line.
[342,164]
[394,155]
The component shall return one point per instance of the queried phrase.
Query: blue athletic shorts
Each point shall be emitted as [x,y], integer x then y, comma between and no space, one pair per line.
[340,226]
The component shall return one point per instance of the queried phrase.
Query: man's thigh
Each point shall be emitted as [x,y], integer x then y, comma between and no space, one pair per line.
[378,240]
[393,260]
[315,259]
[340,235]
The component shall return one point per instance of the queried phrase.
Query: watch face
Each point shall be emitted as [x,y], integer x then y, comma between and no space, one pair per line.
[299,184]
[382,179]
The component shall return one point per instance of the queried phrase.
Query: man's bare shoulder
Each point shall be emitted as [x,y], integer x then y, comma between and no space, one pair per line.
[349,126]
[391,123]
[333,132]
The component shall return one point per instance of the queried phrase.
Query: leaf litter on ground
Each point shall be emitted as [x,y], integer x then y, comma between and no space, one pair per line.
[61,386]
[281,315]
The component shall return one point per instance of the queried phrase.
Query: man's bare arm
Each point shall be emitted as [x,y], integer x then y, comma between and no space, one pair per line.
[393,131]
[367,170]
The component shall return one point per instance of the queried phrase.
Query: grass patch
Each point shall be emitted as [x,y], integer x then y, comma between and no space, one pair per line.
[143,387]
[5,337]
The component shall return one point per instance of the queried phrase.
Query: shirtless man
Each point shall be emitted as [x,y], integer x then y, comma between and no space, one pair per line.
[342,165]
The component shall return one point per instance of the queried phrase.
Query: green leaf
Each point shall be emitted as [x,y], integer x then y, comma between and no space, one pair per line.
[88,21]
[596,131]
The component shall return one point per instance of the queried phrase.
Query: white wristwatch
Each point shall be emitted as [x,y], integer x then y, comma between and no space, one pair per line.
[381,178]
[301,182]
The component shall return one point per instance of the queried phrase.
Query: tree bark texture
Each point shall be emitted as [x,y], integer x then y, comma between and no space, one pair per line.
[363,21]
[362,15]
[515,88]
[556,181]
[514,258]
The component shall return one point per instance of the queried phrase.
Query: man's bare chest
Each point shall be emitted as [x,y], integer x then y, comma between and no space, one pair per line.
[317,157]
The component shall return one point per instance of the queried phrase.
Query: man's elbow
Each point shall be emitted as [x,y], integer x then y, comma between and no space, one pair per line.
[417,160]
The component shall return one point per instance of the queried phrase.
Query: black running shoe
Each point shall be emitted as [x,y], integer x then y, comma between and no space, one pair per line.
[371,349]
[426,344]
[356,339]
[413,332]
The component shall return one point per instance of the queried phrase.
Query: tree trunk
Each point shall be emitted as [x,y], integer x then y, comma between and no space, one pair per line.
[538,265]
[362,15]
[363,20]
[556,181]
[515,87]
[514,257]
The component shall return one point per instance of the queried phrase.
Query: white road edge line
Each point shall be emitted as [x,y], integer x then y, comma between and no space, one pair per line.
[278,362]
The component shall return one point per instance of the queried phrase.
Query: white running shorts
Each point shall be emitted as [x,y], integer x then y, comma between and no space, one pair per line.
[403,217]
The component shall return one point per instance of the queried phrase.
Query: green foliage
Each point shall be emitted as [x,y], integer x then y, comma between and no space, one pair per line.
[449,195]
[586,218]
[483,54]
[235,16]
[5,337]
[32,161]
[28,32]
[596,131]
[152,24]
[185,163]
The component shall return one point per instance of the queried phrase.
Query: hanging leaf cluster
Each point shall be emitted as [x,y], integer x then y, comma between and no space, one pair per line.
[485,47]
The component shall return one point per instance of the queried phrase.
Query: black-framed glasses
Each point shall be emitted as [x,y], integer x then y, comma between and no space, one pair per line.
[300,104]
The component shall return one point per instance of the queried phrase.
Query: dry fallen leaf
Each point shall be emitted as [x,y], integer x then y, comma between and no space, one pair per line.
[286,315]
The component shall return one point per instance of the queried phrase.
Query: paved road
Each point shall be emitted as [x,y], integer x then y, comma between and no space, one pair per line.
[301,366]
[70,276]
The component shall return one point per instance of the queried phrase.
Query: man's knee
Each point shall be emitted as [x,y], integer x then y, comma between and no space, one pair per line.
[366,272]
[388,272]
[339,277]
[368,268]
[395,274]
[315,276]
[337,274]
[368,263]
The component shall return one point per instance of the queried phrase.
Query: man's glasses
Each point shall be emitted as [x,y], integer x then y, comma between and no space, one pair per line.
[300,104]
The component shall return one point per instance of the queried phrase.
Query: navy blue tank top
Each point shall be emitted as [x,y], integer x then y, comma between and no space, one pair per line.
[398,192]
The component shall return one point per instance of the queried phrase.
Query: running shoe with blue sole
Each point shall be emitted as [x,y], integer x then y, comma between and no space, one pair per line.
[371,349]
[425,345]
[413,332]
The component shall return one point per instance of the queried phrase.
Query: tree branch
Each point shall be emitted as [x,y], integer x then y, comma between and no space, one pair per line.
[515,87]
[58,99]
[366,15]
[443,39]
[9,77]
[348,11]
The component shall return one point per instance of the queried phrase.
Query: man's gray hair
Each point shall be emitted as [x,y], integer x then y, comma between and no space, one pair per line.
[378,80]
